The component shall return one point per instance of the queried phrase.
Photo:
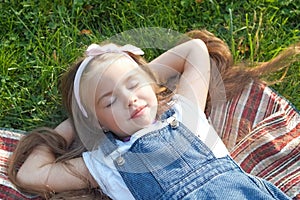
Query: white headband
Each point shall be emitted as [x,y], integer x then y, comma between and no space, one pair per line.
[95,50]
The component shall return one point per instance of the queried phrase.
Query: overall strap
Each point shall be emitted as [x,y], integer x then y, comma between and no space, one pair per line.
[108,144]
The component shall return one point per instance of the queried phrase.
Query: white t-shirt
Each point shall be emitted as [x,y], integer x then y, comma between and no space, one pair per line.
[107,176]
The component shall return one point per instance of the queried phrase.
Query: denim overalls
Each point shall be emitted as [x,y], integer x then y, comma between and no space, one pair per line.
[172,163]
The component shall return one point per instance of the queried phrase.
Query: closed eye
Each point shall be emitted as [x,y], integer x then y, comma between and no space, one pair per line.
[133,83]
[108,101]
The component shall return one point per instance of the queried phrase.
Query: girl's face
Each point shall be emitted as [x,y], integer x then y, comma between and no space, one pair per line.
[125,99]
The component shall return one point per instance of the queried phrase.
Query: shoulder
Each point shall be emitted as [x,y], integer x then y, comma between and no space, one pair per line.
[187,112]
[183,107]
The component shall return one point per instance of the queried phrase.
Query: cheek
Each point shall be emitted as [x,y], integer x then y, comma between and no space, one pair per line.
[110,117]
[152,96]
[104,117]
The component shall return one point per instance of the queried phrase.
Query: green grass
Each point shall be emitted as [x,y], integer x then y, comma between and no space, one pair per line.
[39,39]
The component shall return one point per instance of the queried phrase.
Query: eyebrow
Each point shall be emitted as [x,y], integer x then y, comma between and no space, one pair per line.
[105,95]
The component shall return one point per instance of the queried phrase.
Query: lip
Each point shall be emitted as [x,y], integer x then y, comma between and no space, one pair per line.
[138,112]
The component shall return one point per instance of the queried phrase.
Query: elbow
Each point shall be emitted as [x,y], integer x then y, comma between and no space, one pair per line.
[32,181]
[33,173]
[26,176]
[199,44]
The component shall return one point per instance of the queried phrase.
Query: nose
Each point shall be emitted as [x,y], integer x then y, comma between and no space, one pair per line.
[129,97]
[132,100]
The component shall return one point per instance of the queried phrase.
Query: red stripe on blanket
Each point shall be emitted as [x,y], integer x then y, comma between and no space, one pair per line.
[229,119]
[256,135]
[292,158]
[281,120]
[251,106]
[262,129]
[290,181]
[294,155]
[272,105]
[8,193]
[3,161]
[266,150]
[8,144]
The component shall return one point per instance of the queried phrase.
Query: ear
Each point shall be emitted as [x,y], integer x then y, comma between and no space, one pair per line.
[105,130]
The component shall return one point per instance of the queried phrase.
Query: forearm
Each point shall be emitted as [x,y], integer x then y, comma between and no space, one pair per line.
[33,173]
[66,130]
[41,173]
[176,60]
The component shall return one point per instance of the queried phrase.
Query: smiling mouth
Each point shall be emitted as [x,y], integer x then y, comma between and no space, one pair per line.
[138,112]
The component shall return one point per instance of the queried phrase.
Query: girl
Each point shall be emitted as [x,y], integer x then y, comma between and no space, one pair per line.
[143,141]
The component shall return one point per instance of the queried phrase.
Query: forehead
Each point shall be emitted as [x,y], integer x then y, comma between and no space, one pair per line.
[120,69]
[117,72]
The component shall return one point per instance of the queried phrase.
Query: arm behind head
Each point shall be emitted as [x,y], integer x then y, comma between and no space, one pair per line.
[26,145]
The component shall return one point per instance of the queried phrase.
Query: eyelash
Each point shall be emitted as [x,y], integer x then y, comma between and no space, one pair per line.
[110,103]
[133,84]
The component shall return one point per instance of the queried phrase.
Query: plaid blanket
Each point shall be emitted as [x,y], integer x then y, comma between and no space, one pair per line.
[8,142]
[260,128]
